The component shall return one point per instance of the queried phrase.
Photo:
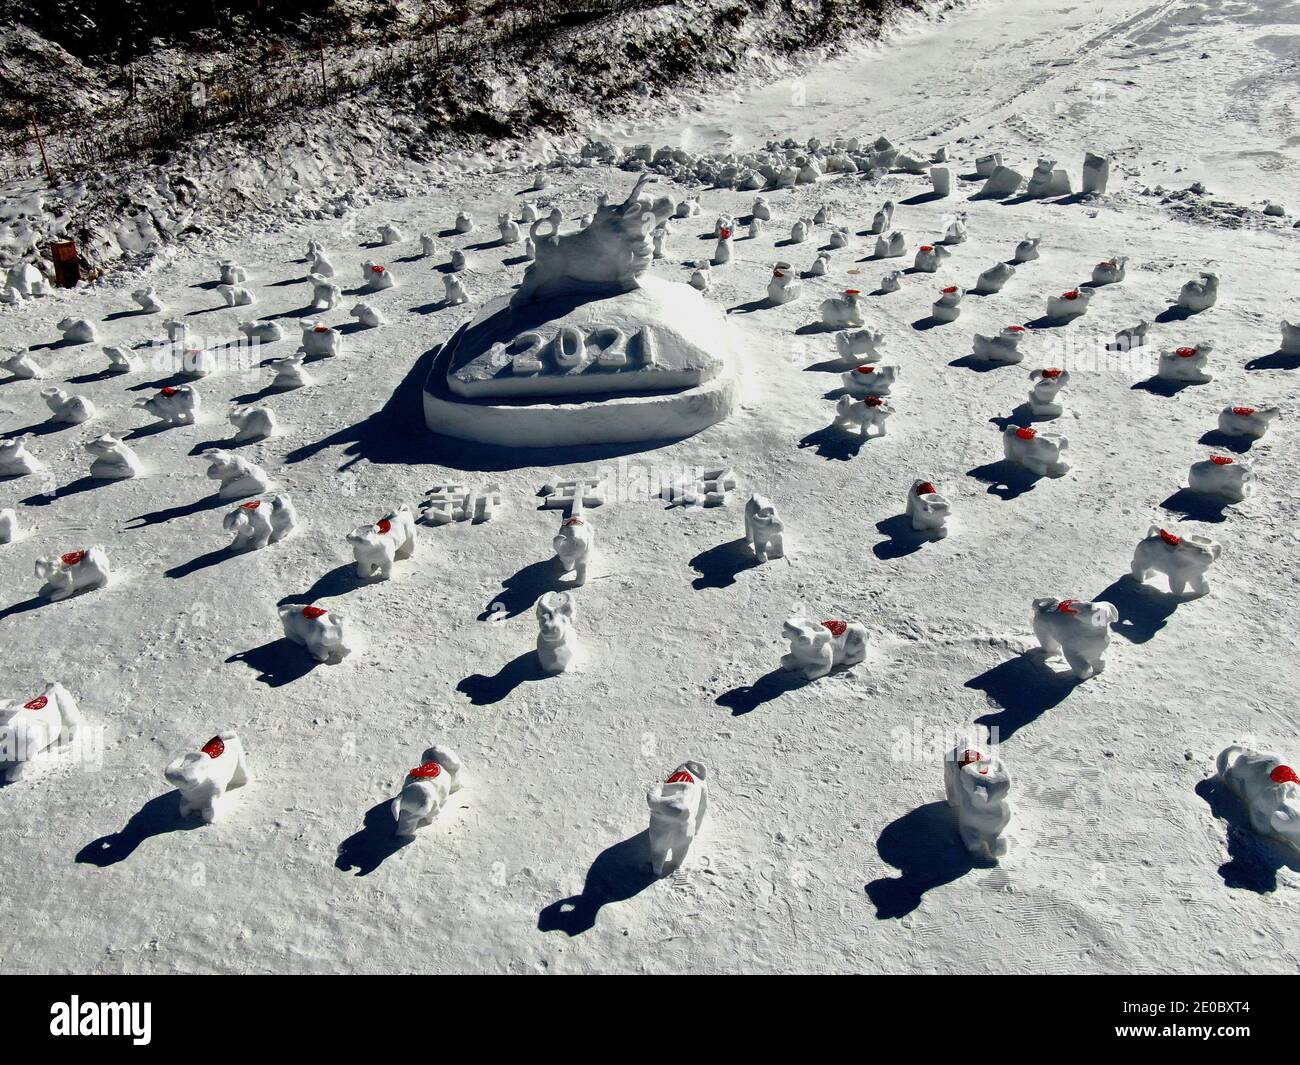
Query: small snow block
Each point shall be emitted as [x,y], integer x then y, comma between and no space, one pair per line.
[564,494]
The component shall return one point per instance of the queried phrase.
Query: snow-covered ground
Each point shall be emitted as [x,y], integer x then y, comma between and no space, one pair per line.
[827,845]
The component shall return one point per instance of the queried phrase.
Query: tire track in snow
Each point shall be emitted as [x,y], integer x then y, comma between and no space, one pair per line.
[1053,72]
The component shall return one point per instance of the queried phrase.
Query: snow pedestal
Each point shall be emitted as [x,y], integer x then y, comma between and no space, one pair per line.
[589,349]
[1096,173]
[1003,181]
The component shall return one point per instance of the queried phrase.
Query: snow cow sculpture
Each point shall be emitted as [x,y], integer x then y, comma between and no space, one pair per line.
[172,405]
[613,252]
[67,408]
[1267,787]
[764,530]
[1249,423]
[1222,477]
[677,809]
[590,348]
[252,424]
[978,790]
[1077,630]
[1290,338]
[1182,559]
[113,460]
[927,509]
[1045,386]
[15,459]
[1188,363]
[259,522]
[817,647]
[866,416]
[323,633]
[237,475]
[204,777]
[573,544]
[1003,349]
[869,380]
[426,789]
[37,727]
[851,344]
[376,547]
[72,572]
[557,640]
[1038,452]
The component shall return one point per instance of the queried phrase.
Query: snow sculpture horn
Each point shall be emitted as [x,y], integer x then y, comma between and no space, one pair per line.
[606,257]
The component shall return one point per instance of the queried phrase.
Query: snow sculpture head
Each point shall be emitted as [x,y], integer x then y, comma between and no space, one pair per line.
[608,256]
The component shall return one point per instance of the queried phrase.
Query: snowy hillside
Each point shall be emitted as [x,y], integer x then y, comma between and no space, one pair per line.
[315,110]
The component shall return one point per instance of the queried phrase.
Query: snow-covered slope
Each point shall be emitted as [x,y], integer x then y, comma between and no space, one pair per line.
[239,125]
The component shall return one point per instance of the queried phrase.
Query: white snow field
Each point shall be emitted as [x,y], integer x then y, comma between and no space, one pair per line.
[827,844]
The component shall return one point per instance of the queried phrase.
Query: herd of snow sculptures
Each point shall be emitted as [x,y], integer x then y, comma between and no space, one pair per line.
[586,323]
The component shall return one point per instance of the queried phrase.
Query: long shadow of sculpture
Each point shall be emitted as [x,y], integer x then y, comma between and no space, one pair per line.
[924,846]
[749,697]
[1143,610]
[396,433]
[21,607]
[1191,505]
[202,562]
[277,663]
[1005,479]
[183,510]
[901,539]
[1277,360]
[373,844]
[157,817]
[719,566]
[340,580]
[834,443]
[484,690]
[1253,860]
[72,488]
[521,590]
[618,873]
[1024,688]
